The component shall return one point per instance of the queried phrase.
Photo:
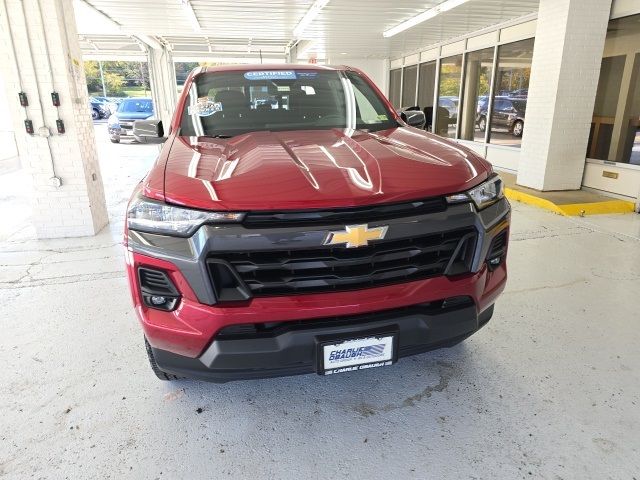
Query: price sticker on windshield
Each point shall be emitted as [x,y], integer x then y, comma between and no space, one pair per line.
[205,107]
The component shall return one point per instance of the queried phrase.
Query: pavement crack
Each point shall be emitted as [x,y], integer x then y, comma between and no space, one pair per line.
[547,287]
[63,280]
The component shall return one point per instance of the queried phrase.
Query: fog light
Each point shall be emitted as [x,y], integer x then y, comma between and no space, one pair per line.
[494,262]
[157,300]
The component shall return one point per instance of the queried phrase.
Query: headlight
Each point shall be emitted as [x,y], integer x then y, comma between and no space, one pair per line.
[155,217]
[113,120]
[483,195]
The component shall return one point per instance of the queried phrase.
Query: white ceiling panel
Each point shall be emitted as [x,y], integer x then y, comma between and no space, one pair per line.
[353,27]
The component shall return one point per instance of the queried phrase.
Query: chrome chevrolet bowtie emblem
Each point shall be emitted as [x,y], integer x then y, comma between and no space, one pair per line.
[356,235]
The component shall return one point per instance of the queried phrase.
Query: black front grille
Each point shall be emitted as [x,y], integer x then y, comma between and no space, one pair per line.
[370,213]
[326,269]
[156,282]
[498,245]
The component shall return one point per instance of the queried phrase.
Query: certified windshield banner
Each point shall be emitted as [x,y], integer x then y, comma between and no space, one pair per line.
[271,75]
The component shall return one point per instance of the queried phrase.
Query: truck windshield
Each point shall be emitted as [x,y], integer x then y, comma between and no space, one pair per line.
[224,104]
[142,105]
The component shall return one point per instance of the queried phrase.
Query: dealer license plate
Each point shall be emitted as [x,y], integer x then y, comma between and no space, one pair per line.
[357,354]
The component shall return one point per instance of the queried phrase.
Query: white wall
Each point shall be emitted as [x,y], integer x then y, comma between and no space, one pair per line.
[377,69]
[9,152]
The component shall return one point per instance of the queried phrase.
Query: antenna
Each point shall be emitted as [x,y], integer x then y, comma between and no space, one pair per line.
[260,56]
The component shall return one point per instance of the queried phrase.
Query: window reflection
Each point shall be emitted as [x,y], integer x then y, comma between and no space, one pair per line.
[395,81]
[630,144]
[478,67]
[615,127]
[409,81]
[511,91]
[604,109]
[448,92]
[426,86]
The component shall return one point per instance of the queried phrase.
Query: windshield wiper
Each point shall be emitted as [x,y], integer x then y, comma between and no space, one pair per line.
[218,136]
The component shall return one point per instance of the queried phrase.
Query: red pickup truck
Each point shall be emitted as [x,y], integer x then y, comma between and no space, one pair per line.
[294,222]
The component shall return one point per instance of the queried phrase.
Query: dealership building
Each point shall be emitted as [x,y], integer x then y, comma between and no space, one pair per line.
[569,72]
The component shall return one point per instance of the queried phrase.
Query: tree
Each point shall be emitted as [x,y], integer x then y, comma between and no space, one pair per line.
[114,83]
[91,71]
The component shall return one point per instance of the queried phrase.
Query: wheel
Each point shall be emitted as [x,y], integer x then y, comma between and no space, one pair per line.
[154,366]
[482,124]
[518,128]
[114,139]
[95,114]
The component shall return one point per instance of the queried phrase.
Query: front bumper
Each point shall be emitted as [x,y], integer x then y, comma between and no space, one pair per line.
[185,338]
[295,351]
[122,129]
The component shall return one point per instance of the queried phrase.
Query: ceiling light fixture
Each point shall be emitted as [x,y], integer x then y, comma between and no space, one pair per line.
[192,15]
[311,14]
[422,17]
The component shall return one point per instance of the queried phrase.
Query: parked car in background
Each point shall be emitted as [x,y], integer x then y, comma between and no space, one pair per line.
[98,109]
[130,109]
[108,103]
[451,104]
[520,93]
[508,113]
[483,100]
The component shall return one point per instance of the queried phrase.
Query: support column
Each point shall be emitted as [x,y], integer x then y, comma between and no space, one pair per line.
[40,54]
[164,87]
[565,68]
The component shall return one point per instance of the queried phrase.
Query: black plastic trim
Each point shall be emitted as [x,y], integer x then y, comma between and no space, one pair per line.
[295,353]
[371,213]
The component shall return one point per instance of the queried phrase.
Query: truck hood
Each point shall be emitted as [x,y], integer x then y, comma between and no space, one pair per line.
[316,169]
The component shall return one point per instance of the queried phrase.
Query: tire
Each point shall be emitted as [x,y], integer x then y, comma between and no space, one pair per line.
[95,114]
[482,124]
[115,139]
[518,128]
[154,366]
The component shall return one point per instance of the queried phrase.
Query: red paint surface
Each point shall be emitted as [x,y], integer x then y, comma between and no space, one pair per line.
[189,329]
[309,168]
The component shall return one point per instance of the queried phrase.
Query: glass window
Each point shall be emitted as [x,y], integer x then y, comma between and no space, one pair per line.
[630,151]
[606,104]
[478,66]
[225,104]
[409,81]
[426,90]
[615,128]
[136,105]
[395,81]
[511,90]
[448,92]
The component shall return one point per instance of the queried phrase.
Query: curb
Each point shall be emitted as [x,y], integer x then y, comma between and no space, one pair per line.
[571,209]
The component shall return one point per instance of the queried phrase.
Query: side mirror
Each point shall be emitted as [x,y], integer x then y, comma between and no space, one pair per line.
[149,131]
[414,118]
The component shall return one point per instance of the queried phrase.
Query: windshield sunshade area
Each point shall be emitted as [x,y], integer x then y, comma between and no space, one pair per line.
[224,104]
